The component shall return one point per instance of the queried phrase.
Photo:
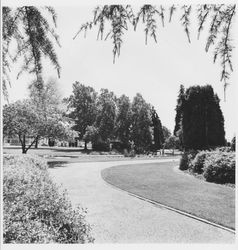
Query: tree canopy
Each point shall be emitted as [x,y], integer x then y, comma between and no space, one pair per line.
[33,34]
[218,17]
[201,119]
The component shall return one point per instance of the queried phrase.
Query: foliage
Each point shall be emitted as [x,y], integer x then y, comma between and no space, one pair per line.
[34,210]
[219,19]
[202,121]
[101,146]
[141,122]
[198,163]
[166,133]
[187,159]
[91,134]
[220,168]
[123,121]
[25,120]
[183,164]
[233,144]
[172,142]
[29,27]
[106,114]
[224,149]
[82,107]
[158,136]
[178,110]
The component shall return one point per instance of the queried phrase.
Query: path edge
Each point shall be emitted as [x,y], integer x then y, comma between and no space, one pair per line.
[158,204]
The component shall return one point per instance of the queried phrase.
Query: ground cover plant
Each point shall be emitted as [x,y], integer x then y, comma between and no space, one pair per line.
[34,210]
[162,182]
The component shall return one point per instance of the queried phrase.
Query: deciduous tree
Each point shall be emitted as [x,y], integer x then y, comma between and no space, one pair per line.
[82,107]
[30,29]
[141,124]
[123,121]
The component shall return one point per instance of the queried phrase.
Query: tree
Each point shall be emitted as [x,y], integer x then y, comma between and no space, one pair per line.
[46,100]
[141,133]
[82,105]
[158,136]
[166,133]
[233,144]
[172,143]
[21,119]
[219,18]
[123,121]
[178,110]
[30,29]
[202,119]
[91,134]
[106,115]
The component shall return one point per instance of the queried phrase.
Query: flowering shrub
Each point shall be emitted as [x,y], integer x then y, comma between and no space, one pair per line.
[220,168]
[34,211]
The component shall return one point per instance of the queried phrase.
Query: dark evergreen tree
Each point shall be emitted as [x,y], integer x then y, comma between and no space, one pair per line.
[157,130]
[178,110]
[202,119]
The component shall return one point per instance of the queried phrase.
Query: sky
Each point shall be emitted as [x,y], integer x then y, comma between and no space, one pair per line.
[155,70]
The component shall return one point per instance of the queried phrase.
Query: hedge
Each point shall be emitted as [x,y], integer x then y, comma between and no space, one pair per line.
[34,210]
[220,168]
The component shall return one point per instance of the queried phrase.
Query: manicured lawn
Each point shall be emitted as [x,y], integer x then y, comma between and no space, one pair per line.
[163,183]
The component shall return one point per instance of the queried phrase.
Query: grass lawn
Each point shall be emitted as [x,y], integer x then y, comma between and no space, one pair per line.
[163,183]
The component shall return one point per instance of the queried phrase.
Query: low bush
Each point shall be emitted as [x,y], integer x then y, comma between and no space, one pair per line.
[186,159]
[197,163]
[224,149]
[101,146]
[220,168]
[34,210]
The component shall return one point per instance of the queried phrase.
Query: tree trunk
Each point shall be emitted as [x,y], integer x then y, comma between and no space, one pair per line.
[85,146]
[36,143]
[24,145]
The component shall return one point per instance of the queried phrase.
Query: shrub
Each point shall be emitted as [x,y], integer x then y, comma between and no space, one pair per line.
[197,163]
[101,146]
[186,159]
[224,149]
[220,168]
[34,210]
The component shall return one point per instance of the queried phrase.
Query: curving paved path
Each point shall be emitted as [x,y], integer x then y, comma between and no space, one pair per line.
[117,217]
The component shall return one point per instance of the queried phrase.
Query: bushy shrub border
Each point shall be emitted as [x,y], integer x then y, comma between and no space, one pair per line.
[34,210]
[220,168]
[186,159]
[197,163]
[215,166]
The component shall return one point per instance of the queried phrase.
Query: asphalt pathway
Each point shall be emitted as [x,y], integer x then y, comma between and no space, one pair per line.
[117,217]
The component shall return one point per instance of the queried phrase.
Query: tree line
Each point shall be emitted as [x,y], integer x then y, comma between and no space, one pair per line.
[103,118]
[106,120]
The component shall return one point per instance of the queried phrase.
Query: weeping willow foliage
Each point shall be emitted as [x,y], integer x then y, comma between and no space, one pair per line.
[219,18]
[29,28]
